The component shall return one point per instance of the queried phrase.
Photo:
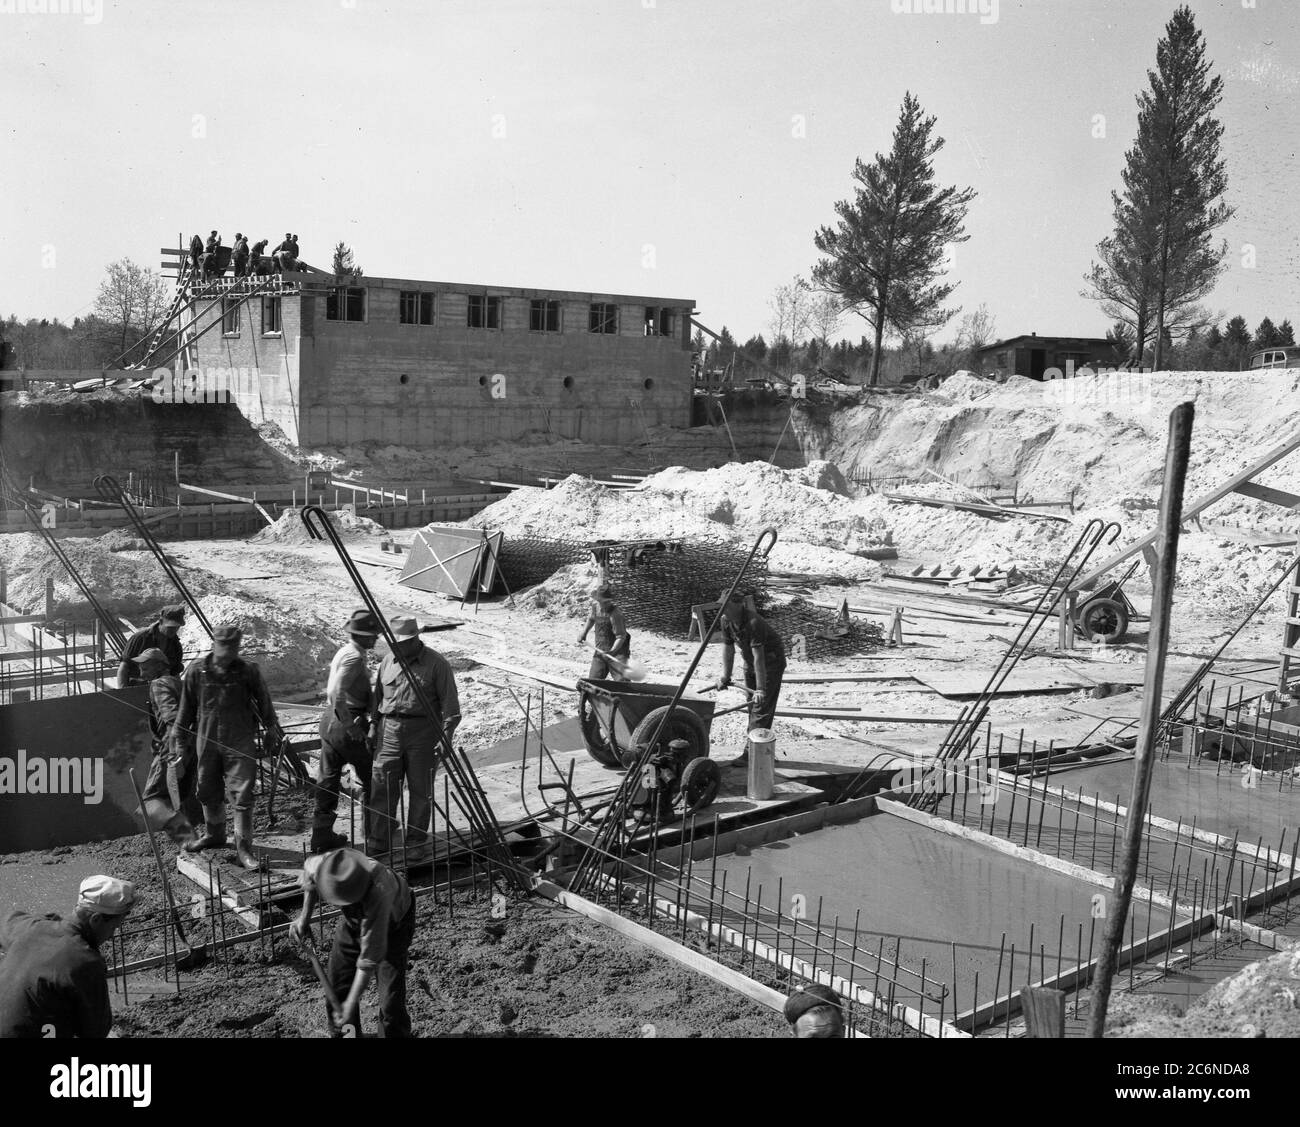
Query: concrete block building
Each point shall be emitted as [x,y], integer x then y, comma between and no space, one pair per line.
[1034,356]
[417,363]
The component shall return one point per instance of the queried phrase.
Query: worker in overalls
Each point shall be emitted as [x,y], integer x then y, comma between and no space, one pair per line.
[406,735]
[763,652]
[224,701]
[611,634]
[169,801]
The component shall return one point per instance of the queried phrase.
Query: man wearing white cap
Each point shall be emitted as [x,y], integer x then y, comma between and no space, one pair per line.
[406,734]
[371,938]
[53,980]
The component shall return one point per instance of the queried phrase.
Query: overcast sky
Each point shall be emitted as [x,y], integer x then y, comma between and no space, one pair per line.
[675,148]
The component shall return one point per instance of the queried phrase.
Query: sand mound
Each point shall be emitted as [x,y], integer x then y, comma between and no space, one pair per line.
[566,594]
[289,528]
[823,475]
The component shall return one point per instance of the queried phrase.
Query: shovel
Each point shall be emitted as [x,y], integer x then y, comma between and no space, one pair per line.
[631,669]
[191,958]
[336,1007]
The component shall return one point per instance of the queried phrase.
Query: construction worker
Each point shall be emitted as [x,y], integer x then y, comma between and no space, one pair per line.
[406,736]
[255,257]
[371,938]
[284,254]
[196,252]
[210,256]
[162,634]
[611,634]
[345,728]
[762,651]
[297,254]
[53,980]
[815,1013]
[224,701]
[169,802]
[240,257]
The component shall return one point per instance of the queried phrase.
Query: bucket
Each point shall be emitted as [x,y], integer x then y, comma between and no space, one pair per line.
[762,764]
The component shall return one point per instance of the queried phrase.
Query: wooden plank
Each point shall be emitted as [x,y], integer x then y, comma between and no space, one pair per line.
[833,714]
[662,945]
[533,675]
[1044,1011]
[960,683]
[1273,496]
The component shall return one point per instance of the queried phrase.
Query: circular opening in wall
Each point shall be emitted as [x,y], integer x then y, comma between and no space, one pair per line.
[568,381]
[482,381]
[403,378]
[649,383]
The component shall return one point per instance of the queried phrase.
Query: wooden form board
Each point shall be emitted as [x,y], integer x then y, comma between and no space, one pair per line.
[452,561]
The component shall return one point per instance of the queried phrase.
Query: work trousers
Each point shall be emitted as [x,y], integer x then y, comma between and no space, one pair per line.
[228,772]
[763,716]
[172,780]
[600,669]
[404,753]
[337,749]
[390,975]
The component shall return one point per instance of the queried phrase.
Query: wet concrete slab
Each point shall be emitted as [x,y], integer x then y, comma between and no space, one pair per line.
[1217,800]
[926,896]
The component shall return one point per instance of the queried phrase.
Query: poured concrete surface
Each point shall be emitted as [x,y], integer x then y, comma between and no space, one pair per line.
[923,892]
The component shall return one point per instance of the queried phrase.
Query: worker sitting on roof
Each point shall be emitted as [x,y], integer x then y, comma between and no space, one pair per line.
[762,651]
[169,802]
[286,254]
[258,263]
[53,980]
[160,635]
[372,937]
[240,259]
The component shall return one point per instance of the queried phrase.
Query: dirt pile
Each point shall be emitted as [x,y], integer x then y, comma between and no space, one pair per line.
[566,594]
[290,529]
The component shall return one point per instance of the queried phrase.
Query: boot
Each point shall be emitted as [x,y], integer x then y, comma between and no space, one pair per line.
[178,828]
[244,840]
[214,834]
[322,841]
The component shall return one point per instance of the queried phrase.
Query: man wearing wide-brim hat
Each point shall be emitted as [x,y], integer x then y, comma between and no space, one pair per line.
[161,634]
[371,938]
[406,734]
[53,980]
[345,728]
[224,701]
[815,1012]
[169,802]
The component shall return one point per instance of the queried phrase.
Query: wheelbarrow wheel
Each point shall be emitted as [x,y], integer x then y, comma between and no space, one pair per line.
[700,782]
[683,725]
[1104,620]
[598,743]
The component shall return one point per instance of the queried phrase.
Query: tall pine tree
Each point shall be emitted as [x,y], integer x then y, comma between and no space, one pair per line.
[885,257]
[1174,183]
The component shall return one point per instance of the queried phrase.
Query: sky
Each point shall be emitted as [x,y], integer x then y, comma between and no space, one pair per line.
[671,148]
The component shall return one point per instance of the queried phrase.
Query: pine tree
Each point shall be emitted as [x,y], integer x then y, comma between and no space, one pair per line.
[1266,335]
[1174,180]
[1236,344]
[1285,334]
[885,257]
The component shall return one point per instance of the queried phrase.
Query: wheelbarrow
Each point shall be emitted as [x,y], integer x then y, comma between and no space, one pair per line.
[1103,614]
[618,718]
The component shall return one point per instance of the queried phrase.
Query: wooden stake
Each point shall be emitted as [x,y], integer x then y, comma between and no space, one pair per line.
[1171,505]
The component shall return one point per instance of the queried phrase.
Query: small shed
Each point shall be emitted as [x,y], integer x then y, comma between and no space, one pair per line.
[1035,356]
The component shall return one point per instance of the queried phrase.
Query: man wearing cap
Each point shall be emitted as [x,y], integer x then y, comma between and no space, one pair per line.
[169,802]
[53,980]
[161,635]
[815,1013]
[224,701]
[406,735]
[344,728]
[371,938]
[762,651]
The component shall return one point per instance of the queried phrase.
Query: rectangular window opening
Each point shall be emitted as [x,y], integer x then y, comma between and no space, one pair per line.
[230,316]
[270,315]
[544,316]
[346,303]
[483,312]
[415,307]
[604,317]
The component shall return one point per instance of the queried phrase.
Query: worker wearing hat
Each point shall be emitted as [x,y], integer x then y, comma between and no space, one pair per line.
[371,938]
[169,802]
[763,652]
[240,257]
[53,980]
[405,733]
[612,637]
[345,727]
[162,634]
[224,701]
[815,1013]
